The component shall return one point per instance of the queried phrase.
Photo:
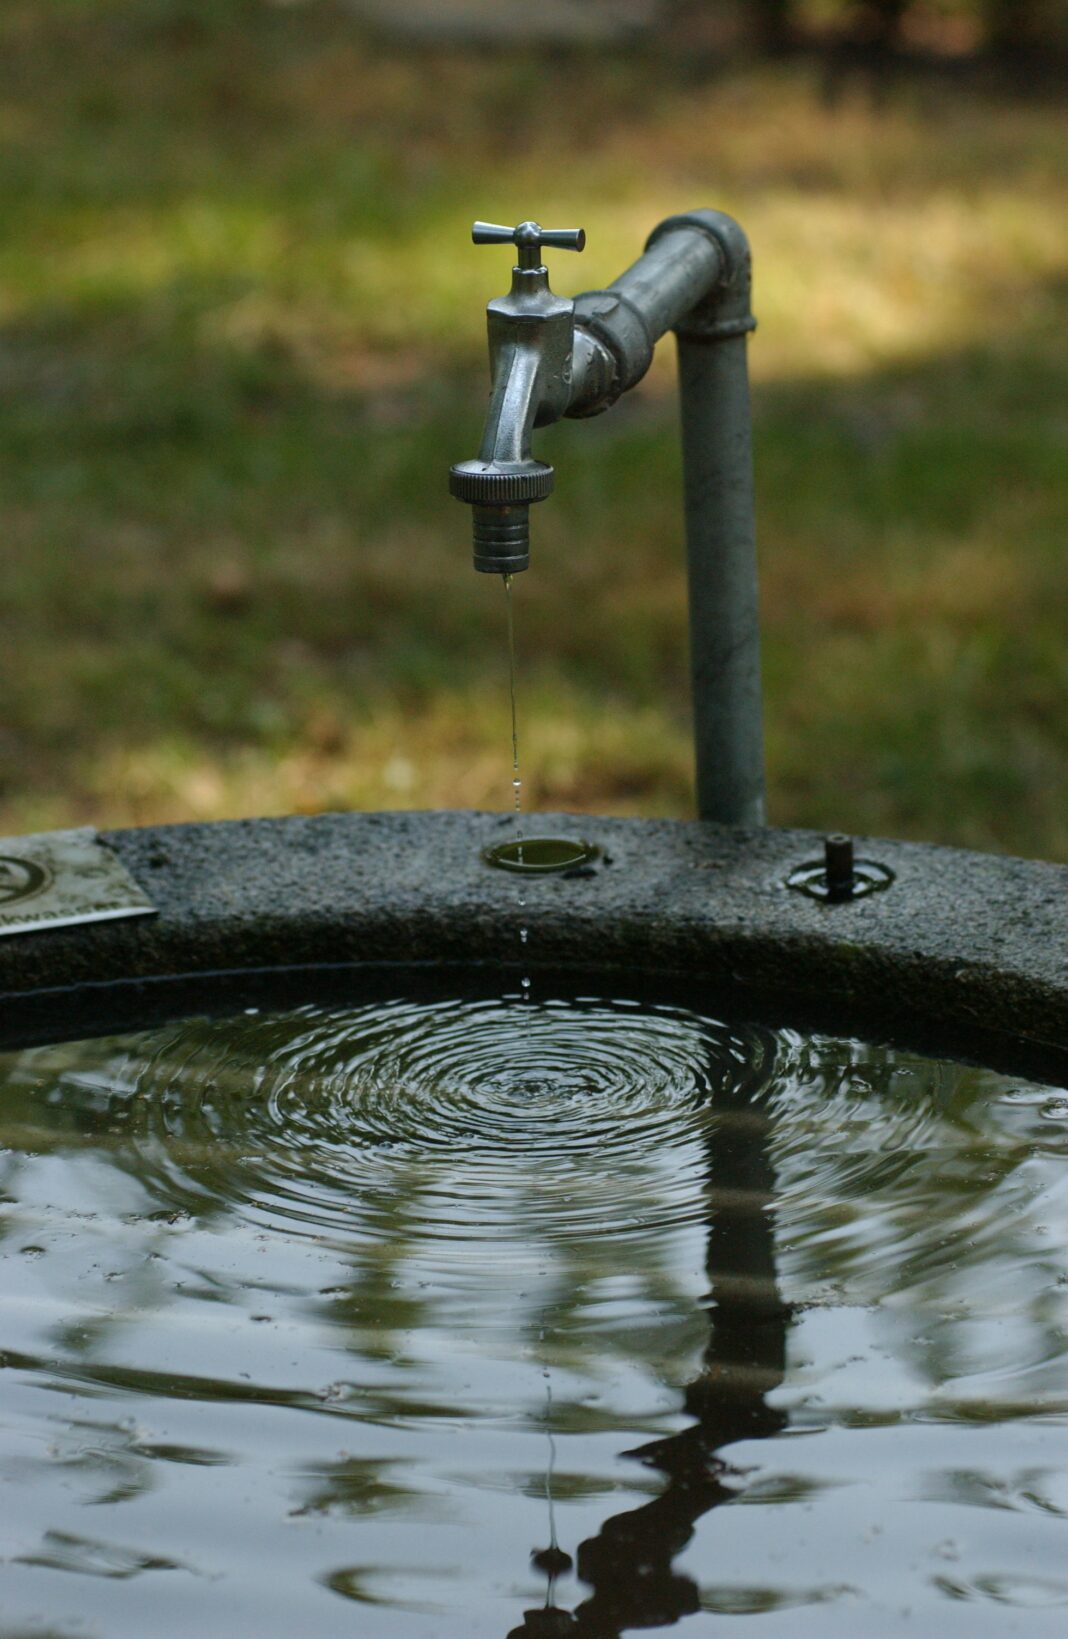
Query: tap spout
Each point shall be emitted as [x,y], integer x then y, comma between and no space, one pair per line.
[515,393]
[504,480]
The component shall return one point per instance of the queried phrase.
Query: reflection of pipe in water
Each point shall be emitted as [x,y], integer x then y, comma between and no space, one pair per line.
[628,1564]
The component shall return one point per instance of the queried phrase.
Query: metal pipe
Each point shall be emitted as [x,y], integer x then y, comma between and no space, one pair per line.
[695,278]
[717,457]
[682,262]
[553,358]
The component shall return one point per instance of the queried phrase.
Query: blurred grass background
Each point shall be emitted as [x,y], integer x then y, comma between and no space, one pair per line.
[243,338]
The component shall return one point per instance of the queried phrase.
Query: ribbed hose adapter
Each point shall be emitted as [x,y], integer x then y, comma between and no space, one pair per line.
[501,539]
[501,498]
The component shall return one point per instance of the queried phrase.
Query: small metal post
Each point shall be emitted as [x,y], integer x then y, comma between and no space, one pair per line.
[839,866]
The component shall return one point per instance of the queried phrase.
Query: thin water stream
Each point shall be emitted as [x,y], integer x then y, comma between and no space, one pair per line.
[311,1317]
[517,852]
[520,853]
[517,783]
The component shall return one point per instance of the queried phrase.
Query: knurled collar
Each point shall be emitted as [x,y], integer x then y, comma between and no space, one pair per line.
[481,483]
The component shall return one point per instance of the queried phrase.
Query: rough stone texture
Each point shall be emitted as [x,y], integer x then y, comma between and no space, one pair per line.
[963,945]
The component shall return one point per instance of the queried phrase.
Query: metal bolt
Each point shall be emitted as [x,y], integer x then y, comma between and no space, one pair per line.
[838,866]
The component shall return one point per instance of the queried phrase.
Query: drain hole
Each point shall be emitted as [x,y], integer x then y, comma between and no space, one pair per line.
[541,854]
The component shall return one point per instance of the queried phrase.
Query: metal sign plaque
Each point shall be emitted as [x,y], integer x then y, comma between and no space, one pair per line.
[58,879]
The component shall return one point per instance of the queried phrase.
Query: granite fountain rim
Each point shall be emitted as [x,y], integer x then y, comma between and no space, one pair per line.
[966,948]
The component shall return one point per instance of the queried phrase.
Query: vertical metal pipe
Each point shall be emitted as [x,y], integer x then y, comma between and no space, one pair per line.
[695,278]
[721,565]
[717,452]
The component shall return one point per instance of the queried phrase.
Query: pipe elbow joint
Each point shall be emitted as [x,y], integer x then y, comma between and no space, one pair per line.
[725,310]
[729,236]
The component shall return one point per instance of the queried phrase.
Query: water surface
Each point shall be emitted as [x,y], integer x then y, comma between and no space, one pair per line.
[328,1320]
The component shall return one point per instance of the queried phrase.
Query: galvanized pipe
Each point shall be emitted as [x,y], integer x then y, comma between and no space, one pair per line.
[681,264]
[552,357]
[721,566]
[695,278]
[717,454]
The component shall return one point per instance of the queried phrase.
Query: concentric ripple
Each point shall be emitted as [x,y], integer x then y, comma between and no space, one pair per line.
[359,1305]
[512,1117]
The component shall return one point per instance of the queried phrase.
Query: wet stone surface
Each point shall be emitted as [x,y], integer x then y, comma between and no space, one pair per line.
[964,943]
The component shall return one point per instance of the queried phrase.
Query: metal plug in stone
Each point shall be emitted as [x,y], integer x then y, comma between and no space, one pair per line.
[838,866]
[839,876]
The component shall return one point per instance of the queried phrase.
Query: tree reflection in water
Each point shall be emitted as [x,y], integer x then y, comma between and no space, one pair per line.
[629,1564]
[409,1246]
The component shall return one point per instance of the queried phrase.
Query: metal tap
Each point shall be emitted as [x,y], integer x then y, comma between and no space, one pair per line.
[550,357]
[530,340]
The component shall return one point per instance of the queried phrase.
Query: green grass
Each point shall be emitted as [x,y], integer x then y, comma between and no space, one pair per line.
[242,339]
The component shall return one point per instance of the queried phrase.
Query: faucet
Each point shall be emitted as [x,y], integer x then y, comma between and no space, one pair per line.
[531,339]
[550,357]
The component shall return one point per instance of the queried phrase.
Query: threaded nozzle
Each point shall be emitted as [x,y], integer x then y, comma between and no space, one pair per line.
[501,539]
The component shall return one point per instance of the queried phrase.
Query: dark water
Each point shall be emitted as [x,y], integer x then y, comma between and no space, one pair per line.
[325,1321]
[539,854]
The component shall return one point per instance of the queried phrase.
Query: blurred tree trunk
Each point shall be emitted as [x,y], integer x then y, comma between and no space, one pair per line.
[772,25]
[866,50]
[763,25]
[879,24]
[1014,27]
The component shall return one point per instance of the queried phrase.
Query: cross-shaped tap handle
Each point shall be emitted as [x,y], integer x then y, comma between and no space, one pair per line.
[530,237]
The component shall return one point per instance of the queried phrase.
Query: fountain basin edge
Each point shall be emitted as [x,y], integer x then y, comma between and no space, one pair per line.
[966,951]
